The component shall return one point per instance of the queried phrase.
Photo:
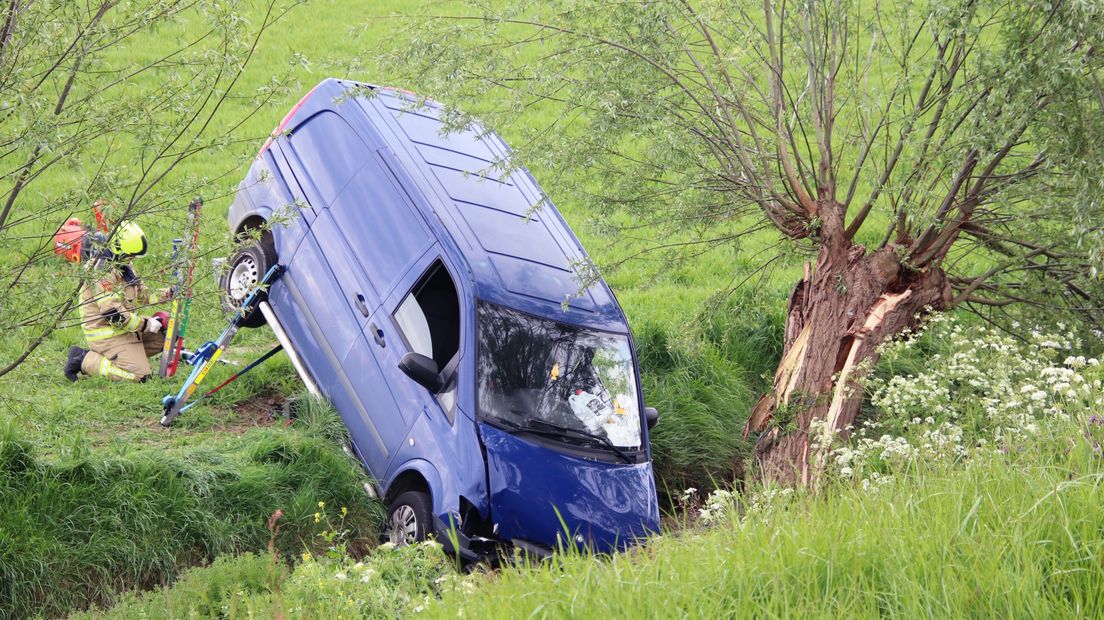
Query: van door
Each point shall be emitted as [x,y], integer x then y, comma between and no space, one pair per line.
[334,295]
[324,153]
[338,356]
[370,234]
[385,423]
[383,231]
[423,315]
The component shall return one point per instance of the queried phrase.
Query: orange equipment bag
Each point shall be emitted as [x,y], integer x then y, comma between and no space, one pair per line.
[69,239]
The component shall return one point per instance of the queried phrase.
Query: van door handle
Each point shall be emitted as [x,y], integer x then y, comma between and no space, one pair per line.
[377,334]
[361,306]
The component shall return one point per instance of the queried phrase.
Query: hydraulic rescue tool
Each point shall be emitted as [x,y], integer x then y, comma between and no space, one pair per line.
[183,253]
[174,295]
[206,356]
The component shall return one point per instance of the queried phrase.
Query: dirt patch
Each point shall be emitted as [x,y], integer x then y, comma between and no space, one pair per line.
[259,410]
[265,409]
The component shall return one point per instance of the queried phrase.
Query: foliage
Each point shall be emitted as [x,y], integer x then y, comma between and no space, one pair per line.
[915,125]
[980,391]
[702,375]
[703,399]
[208,592]
[389,582]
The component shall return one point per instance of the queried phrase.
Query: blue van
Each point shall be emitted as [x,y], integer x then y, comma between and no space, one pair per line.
[434,305]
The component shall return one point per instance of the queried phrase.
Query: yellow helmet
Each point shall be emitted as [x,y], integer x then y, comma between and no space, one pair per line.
[128,240]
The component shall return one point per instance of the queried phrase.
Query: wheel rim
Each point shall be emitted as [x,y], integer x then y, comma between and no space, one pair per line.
[243,279]
[404,525]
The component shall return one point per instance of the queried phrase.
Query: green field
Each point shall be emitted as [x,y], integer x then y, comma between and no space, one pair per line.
[96,499]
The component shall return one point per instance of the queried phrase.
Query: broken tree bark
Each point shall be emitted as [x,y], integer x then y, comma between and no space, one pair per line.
[838,315]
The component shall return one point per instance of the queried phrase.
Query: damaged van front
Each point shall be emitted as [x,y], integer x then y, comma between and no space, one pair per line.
[560,416]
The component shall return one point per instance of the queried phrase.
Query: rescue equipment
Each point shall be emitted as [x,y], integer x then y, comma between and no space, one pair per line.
[174,297]
[177,327]
[192,255]
[206,356]
[69,239]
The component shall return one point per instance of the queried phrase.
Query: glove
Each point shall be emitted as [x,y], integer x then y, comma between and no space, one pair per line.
[153,324]
[156,322]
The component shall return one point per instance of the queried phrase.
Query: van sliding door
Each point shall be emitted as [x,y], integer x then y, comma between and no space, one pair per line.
[383,231]
[334,295]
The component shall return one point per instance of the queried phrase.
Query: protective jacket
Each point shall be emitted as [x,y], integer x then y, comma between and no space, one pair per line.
[119,345]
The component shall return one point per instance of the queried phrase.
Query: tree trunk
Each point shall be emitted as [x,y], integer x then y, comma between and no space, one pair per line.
[838,314]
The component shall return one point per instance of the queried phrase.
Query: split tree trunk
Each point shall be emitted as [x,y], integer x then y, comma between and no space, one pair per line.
[838,314]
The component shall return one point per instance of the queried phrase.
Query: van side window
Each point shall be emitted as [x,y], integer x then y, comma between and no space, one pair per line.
[429,319]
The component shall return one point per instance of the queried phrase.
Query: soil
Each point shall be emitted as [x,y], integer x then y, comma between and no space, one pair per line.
[259,410]
[264,409]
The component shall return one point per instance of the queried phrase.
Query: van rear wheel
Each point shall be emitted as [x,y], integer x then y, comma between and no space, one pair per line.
[409,518]
[244,270]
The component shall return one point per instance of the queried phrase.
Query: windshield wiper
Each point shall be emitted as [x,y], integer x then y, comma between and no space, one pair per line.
[555,430]
[567,430]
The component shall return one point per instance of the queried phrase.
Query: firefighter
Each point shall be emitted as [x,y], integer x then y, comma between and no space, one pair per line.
[120,341]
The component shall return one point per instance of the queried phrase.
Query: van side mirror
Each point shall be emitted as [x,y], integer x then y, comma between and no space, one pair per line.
[423,370]
[651,416]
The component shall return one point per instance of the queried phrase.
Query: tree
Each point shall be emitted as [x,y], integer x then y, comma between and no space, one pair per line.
[924,154]
[94,104]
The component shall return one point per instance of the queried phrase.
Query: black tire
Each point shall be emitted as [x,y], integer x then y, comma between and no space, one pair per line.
[244,269]
[409,518]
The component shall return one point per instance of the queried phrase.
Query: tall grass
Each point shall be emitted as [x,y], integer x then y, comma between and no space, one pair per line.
[704,383]
[78,529]
[1012,536]
[389,583]
[998,539]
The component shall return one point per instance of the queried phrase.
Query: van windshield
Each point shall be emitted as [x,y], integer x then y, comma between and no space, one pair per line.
[567,382]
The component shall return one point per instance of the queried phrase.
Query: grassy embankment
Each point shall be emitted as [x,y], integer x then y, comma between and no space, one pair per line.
[1005,537]
[78,526]
[990,506]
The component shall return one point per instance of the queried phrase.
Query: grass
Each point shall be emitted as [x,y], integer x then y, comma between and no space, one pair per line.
[386,585]
[997,540]
[1006,536]
[82,524]
[704,388]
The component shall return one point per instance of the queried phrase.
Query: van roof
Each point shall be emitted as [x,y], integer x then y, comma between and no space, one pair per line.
[516,245]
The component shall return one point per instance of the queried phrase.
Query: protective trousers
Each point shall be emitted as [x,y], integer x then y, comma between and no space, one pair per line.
[124,357]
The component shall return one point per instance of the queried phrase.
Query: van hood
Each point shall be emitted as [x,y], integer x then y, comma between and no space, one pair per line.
[537,492]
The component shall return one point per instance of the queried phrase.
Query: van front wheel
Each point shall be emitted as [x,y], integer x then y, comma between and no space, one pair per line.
[409,518]
[244,271]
